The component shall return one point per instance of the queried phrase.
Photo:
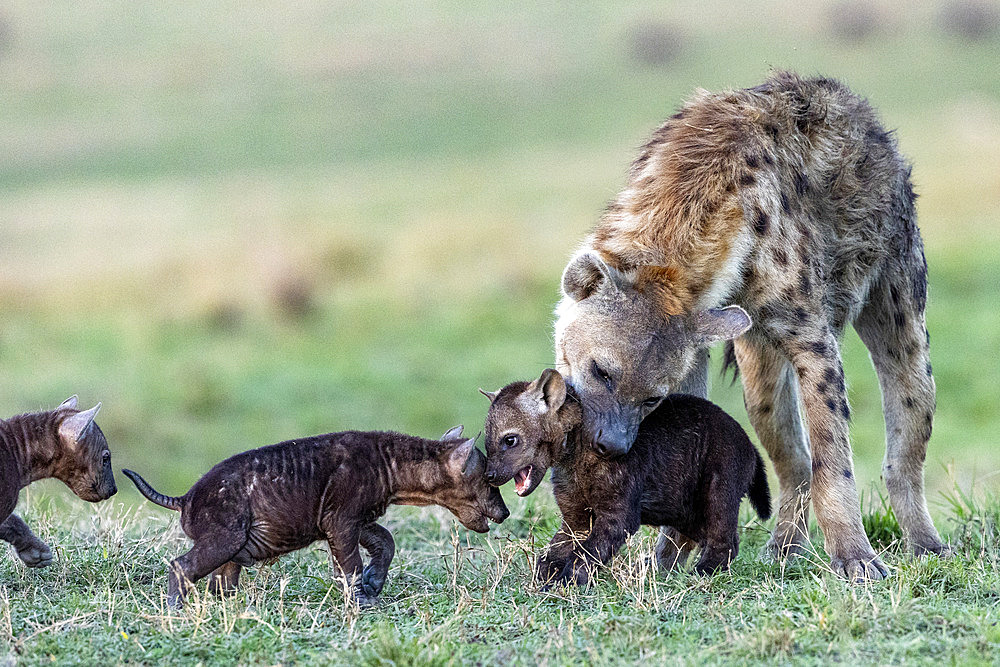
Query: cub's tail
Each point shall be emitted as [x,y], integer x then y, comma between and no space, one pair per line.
[759,494]
[170,502]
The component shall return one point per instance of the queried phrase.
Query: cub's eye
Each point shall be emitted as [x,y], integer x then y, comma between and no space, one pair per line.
[652,402]
[510,440]
[600,374]
[106,456]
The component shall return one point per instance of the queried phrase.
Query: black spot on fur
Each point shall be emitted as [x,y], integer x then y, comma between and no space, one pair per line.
[752,161]
[761,221]
[822,387]
[816,465]
[780,256]
[786,205]
[801,315]
[908,402]
[847,473]
[772,130]
[900,319]
[845,410]
[817,347]
[831,375]
[747,179]
[768,160]
[801,183]
[831,405]
[929,369]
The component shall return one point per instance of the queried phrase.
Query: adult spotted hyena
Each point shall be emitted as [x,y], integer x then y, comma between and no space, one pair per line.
[790,201]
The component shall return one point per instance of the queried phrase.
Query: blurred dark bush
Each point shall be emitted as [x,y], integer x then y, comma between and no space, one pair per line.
[853,22]
[971,20]
[656,43]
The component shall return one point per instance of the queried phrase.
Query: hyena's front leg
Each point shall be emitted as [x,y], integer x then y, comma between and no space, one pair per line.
[771,394]
[892,328]
[30,549]
[816,358]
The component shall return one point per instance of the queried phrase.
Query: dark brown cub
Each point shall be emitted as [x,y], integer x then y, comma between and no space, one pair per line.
[689,468]
[270,501]
[64,443]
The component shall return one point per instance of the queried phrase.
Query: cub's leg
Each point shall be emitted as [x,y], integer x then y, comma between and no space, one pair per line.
[721,543]
[379,544]
[225,579]
[892,327]
[212,550]
[30,549]
[771,394]
[575,525]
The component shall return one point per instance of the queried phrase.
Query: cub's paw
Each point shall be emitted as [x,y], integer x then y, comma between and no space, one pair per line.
[372,581]
[36,554]
[859,569]
[575,573]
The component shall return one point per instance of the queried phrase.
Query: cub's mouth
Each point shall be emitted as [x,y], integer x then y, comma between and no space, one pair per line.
[526,479]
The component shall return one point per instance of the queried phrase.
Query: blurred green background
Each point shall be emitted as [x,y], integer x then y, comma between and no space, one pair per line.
[236,223]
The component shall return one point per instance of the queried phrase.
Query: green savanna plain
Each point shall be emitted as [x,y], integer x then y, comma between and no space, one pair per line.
[238,223]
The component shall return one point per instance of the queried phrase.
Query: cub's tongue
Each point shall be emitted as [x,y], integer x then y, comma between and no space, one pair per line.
[521,480]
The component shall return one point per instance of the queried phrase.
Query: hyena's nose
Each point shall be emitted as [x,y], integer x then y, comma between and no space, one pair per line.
[599,445]
[491,476]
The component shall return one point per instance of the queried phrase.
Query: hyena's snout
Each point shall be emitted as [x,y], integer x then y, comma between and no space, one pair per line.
[612,437]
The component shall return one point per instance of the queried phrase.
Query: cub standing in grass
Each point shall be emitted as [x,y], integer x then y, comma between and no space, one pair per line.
[791,201]
[270,501]
[64,443]
[689,467]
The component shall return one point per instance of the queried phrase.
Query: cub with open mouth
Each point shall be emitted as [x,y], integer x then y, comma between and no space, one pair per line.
[689,468]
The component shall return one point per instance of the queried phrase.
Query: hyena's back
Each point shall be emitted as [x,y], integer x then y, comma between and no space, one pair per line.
[792,185]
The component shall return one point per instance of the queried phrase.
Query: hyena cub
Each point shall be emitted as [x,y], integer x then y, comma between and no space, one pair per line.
[64,443]
[689,467]
[270,501]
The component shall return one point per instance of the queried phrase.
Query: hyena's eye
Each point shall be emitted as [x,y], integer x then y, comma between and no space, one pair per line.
[652,402]
[600,374]
[510,440]
[106,457]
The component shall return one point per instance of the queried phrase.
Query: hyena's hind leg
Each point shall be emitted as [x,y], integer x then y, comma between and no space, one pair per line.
[771,394]
[892,327]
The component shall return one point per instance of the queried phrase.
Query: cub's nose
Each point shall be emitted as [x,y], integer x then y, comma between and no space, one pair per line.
[491,476]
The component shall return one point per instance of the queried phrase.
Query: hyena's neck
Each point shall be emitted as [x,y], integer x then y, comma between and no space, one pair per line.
[412,471]
[31,441]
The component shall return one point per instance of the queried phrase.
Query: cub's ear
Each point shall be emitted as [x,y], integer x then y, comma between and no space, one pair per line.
[717,324]
[492,395]
[460,454]
[74,426]
[69,403]
[549,389]
[587,273]
[454,433]
[475,465]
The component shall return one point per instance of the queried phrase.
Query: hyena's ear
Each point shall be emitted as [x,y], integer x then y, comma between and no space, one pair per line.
[454,433]
[587,273]
[492,395]
[549,389]
[717,324]
[74,426]
[69,404]
[458,456]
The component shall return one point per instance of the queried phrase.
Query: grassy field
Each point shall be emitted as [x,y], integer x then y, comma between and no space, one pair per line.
[236,224]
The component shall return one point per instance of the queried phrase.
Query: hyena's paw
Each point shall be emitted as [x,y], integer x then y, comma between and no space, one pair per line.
[782,547]
[372,581]
[859,569]
[932,548]
[36,554]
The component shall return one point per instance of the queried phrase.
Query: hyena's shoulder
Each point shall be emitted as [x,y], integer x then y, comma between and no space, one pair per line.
[729,169]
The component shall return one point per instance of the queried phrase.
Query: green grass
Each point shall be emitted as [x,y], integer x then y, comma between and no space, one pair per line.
[240,223]
[456,597]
